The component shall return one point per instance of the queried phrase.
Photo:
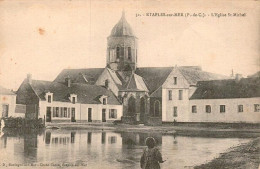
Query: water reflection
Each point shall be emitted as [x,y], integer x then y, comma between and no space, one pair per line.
[110,149]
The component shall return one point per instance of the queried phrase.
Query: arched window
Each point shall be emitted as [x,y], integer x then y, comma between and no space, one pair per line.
[117,52]
[156,108]
[142,108]
[131,106]
[129,53]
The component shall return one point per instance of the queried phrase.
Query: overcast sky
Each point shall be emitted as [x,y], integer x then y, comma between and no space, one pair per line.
[44,37]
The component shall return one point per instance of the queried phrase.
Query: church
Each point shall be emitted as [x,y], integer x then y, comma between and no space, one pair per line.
[123,91]
[141,89]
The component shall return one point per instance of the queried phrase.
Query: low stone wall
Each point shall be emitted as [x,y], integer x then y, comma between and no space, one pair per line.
[214,125]
[128,119]
[61,121]
[154,121]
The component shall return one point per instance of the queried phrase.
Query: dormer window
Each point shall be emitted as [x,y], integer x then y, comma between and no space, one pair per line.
[49,97]
[104,101]
[73,98]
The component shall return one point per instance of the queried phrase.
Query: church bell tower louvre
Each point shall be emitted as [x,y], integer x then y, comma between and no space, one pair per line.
[122,46]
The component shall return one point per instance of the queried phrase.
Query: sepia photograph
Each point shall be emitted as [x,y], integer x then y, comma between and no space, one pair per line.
[138,84]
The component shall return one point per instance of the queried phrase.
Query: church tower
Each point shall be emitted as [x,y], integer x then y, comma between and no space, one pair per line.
[122,47]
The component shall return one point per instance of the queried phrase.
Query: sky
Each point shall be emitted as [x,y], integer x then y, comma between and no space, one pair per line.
[43,37]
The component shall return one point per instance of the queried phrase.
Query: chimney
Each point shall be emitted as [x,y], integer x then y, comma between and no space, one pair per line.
[232,74]
[68,81]
[29,78]
[238,77]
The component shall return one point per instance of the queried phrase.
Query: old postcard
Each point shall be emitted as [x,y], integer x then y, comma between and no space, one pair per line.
[129,84]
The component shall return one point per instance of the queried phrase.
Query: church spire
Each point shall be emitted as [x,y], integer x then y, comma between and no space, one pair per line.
[123,14]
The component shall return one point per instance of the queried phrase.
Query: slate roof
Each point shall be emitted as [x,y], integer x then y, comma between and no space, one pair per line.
[86,94]
[257,74]
[150,77]
[5,91]
[135,83]
[194,74]
[154,77]
[85,76]
[122,28]
[226,89]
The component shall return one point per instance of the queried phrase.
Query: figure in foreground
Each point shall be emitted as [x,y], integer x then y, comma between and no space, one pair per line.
[151,156]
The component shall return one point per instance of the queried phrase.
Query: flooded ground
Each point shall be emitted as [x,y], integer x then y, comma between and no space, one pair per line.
[96,149]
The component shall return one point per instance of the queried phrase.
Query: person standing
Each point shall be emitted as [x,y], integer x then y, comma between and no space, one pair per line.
[151,156]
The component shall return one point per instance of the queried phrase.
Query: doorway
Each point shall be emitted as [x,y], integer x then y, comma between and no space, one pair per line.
[73,115]
[89,114]
[103,115]
[5,108]
[48,114]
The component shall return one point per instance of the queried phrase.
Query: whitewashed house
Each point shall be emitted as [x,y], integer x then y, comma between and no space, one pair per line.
[68,102]
[229,101]
[192,95]
[177,90]
[8,106]
[7,102]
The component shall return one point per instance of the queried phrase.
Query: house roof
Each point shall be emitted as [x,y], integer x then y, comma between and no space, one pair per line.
[225,89]
[86,94]
[85,76]
[193,74]
[257,74]
[135,83]
[154,77]
[5,91]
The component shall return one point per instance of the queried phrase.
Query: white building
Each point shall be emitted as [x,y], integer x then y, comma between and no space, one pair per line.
[185,98]
[7,102]
[67,102]
[8,106]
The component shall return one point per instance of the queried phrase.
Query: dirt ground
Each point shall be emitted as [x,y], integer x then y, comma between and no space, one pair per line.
[246,156]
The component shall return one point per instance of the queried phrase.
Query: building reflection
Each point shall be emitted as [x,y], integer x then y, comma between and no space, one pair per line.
[30,146]
[89,137]
[133,139]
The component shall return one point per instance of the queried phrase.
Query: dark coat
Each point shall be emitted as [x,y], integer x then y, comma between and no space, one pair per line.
[151,158]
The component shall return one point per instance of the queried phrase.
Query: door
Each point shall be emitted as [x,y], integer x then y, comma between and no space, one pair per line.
[73,115]
[89,114]
[48,114]
[5,108]
[103,115]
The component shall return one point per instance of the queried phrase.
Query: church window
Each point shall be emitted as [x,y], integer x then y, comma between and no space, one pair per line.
[156,108]
[117,52]
[129,53]
[123,51]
